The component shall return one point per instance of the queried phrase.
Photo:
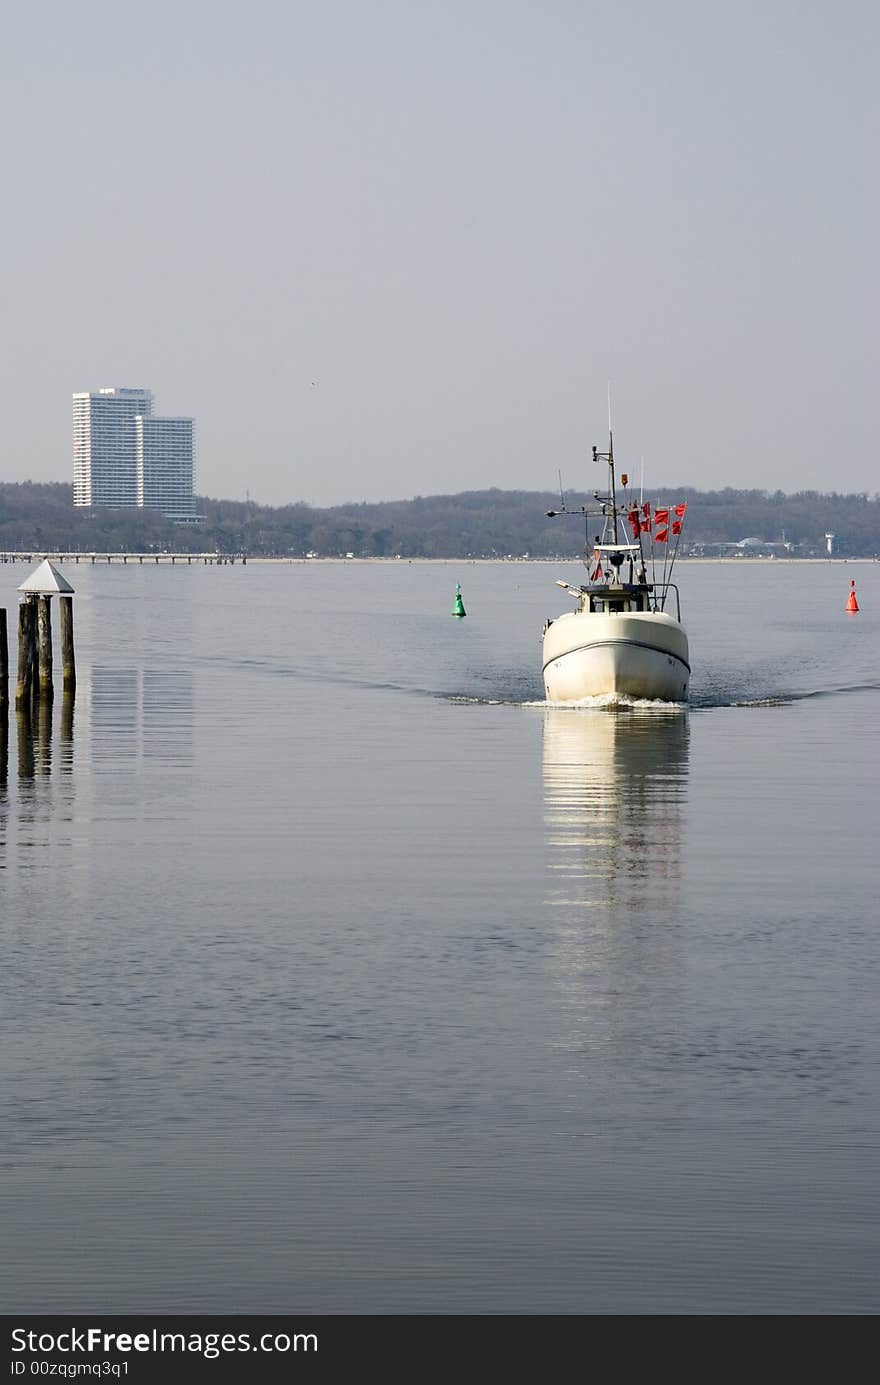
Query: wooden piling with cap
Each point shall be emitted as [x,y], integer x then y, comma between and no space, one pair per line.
[38,591]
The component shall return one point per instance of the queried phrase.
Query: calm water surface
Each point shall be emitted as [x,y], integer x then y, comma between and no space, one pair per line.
[340,975]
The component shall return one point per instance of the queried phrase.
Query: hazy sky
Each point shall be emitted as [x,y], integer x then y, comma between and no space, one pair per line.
[399,247]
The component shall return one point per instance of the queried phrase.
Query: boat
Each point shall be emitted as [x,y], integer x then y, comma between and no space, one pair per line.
[622,641]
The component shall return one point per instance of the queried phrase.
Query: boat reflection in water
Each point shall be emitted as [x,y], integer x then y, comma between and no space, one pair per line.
[615,780]
[615,785]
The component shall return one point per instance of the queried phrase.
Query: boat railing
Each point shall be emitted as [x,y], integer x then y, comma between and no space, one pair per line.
[670,587]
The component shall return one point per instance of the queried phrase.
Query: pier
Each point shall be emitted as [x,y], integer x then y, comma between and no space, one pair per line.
[60,556]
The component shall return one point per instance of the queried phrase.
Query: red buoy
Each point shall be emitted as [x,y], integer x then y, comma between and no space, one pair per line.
[852,605]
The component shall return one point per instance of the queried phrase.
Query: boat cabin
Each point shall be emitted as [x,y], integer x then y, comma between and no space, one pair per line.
[616,600]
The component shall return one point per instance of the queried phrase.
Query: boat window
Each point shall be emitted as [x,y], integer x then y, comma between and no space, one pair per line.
[617,605]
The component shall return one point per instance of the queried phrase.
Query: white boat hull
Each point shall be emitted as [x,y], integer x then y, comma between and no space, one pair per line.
[637,655]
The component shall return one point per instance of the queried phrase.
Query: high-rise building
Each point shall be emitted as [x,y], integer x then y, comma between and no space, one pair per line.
[164,452]
[104,445]
[123,455]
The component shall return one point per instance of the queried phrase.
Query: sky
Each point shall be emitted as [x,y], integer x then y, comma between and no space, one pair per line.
[385,248]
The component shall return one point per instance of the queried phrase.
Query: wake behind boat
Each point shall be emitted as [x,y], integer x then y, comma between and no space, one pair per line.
[621,641]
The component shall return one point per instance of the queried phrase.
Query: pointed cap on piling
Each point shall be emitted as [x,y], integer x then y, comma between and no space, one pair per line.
[46,580]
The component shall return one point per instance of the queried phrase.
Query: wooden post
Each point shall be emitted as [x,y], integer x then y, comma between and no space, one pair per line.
[45,688]
[68,662]
[26,638]
[4,660]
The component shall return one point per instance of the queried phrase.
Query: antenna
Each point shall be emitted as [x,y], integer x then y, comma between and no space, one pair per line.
[551,514]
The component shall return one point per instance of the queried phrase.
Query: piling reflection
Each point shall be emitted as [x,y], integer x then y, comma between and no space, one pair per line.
[121,727]
[42,724]
[38,814]
[35,732]
[66,728]
[4,775]
[24,730]
[125,715]
[614,789]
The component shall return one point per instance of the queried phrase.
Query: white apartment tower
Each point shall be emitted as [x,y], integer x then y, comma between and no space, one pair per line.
[123,455]
[164,456]
[104,459]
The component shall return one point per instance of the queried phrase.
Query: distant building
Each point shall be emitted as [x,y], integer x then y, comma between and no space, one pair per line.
[743,548]
[164,456]
[104,445]
[124,456]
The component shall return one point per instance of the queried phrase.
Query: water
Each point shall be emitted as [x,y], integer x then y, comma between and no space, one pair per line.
[339,975]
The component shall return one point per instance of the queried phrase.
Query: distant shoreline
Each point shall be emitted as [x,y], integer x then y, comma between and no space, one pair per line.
[105,559]
[535,562]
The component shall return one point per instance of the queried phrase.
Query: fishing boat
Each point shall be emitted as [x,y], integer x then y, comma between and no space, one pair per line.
[622,640]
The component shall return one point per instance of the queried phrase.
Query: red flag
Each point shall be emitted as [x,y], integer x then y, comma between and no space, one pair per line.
[676,526]
[680,509]
[661,516]
[661,536]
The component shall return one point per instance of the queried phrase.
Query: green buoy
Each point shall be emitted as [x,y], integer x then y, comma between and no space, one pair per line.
[458,608]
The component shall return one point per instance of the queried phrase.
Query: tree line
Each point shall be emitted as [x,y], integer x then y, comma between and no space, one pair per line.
[41,516]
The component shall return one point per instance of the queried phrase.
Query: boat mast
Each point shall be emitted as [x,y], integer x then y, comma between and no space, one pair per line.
[611,466]
[607,502]
[612,494]
[611,470]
